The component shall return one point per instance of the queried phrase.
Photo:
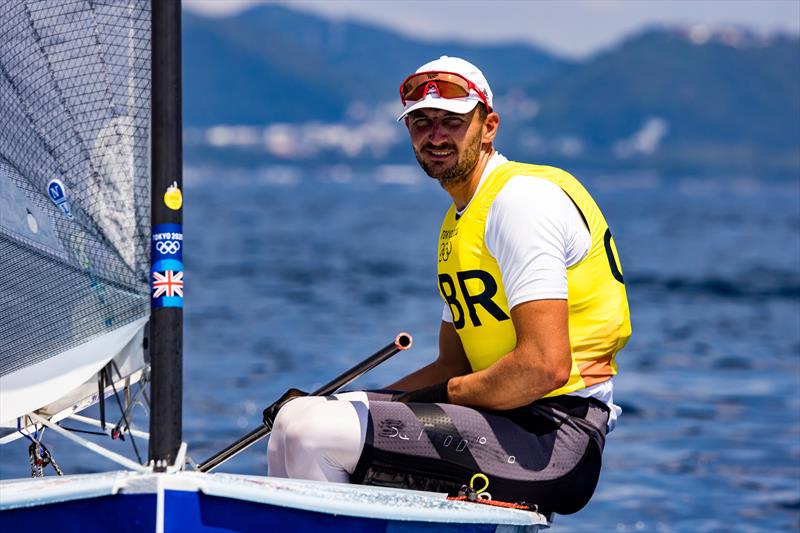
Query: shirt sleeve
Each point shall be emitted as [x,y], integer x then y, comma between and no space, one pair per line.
[447,314]
[535,232]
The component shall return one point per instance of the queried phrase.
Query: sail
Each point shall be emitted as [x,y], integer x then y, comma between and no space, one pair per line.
[74,195]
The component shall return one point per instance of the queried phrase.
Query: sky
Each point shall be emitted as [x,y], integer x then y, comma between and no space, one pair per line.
[571,28]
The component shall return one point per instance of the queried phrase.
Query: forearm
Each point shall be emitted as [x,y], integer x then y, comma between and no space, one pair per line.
[513,381]
[427,375]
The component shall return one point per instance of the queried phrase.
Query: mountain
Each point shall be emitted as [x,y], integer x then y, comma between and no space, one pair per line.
[727,99]
[301,88]
[233,77]
[270,63]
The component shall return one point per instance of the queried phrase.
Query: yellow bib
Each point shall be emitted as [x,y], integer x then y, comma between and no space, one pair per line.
[471,284]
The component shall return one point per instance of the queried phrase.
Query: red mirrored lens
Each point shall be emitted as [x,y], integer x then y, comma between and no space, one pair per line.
[445,89]
[447,85]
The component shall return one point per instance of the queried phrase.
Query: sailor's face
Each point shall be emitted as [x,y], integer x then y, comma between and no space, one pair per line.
[446,144]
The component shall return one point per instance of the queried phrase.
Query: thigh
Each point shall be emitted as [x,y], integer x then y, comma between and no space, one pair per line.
[441,447]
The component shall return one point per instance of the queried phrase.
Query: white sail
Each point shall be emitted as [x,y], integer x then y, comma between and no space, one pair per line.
[55,385]
[74,199]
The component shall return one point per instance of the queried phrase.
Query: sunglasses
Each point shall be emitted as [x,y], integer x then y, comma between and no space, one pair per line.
[446,85]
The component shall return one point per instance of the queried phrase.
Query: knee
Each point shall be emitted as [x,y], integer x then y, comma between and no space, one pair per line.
[290,413]
[306,429]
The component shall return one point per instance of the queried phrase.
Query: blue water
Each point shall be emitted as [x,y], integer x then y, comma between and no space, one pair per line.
[292,278]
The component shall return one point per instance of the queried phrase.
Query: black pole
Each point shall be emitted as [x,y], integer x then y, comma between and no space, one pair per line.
[166,316]
[401,342]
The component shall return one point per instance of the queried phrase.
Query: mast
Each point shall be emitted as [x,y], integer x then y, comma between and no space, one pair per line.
[166,318]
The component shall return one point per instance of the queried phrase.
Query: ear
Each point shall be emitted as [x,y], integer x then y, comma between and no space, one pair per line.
[490,127]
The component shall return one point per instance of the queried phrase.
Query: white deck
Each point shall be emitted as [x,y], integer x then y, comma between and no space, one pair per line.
[329,498]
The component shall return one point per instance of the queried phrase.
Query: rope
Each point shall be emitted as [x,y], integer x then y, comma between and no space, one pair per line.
[40,457]
[76,430]
[38,454]
[116,431]
[468,493]
[34,456]
[131,401]
[496,503]
[56,467]
[36,461]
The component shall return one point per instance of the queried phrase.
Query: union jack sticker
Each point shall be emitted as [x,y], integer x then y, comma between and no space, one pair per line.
[168,284]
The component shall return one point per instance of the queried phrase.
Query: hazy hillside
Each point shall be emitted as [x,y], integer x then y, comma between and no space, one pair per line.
[236,77]
[722,100]
[270,63]
[272,84]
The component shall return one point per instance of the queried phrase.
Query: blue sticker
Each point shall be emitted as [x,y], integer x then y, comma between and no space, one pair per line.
[58,194]
[166,272]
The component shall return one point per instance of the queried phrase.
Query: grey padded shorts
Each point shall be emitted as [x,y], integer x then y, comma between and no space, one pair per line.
[547,453]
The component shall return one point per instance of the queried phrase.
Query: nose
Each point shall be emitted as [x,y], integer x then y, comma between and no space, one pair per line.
[437,133]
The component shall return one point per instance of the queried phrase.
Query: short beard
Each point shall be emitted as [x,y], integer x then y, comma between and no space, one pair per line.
[459,172]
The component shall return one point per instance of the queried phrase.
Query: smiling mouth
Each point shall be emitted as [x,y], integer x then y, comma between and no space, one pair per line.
[440,153]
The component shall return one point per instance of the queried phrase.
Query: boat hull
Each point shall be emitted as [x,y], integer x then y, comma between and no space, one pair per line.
[193,502]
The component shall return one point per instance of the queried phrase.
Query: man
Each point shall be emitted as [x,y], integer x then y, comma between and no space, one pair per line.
[520,396]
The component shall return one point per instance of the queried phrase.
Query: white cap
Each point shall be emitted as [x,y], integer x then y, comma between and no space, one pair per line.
[454,105]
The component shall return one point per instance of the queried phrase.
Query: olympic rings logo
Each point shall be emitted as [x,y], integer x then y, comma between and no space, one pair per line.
[445,249]
[168,247]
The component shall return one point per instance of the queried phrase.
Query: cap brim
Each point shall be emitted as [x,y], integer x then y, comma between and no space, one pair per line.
[454,105]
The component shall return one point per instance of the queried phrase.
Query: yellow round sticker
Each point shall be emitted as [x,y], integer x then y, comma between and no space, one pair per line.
[173,197]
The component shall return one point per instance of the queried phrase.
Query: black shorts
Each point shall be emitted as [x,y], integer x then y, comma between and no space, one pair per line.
[547,453]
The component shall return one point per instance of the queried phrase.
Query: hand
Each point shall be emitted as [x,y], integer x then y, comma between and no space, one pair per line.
[433,394]
[272,411]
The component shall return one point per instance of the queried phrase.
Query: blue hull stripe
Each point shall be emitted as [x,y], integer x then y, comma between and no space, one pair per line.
[211,514]
[131,513]
[199,513]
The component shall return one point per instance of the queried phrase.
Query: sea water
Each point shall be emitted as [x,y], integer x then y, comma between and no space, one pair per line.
[293,277]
